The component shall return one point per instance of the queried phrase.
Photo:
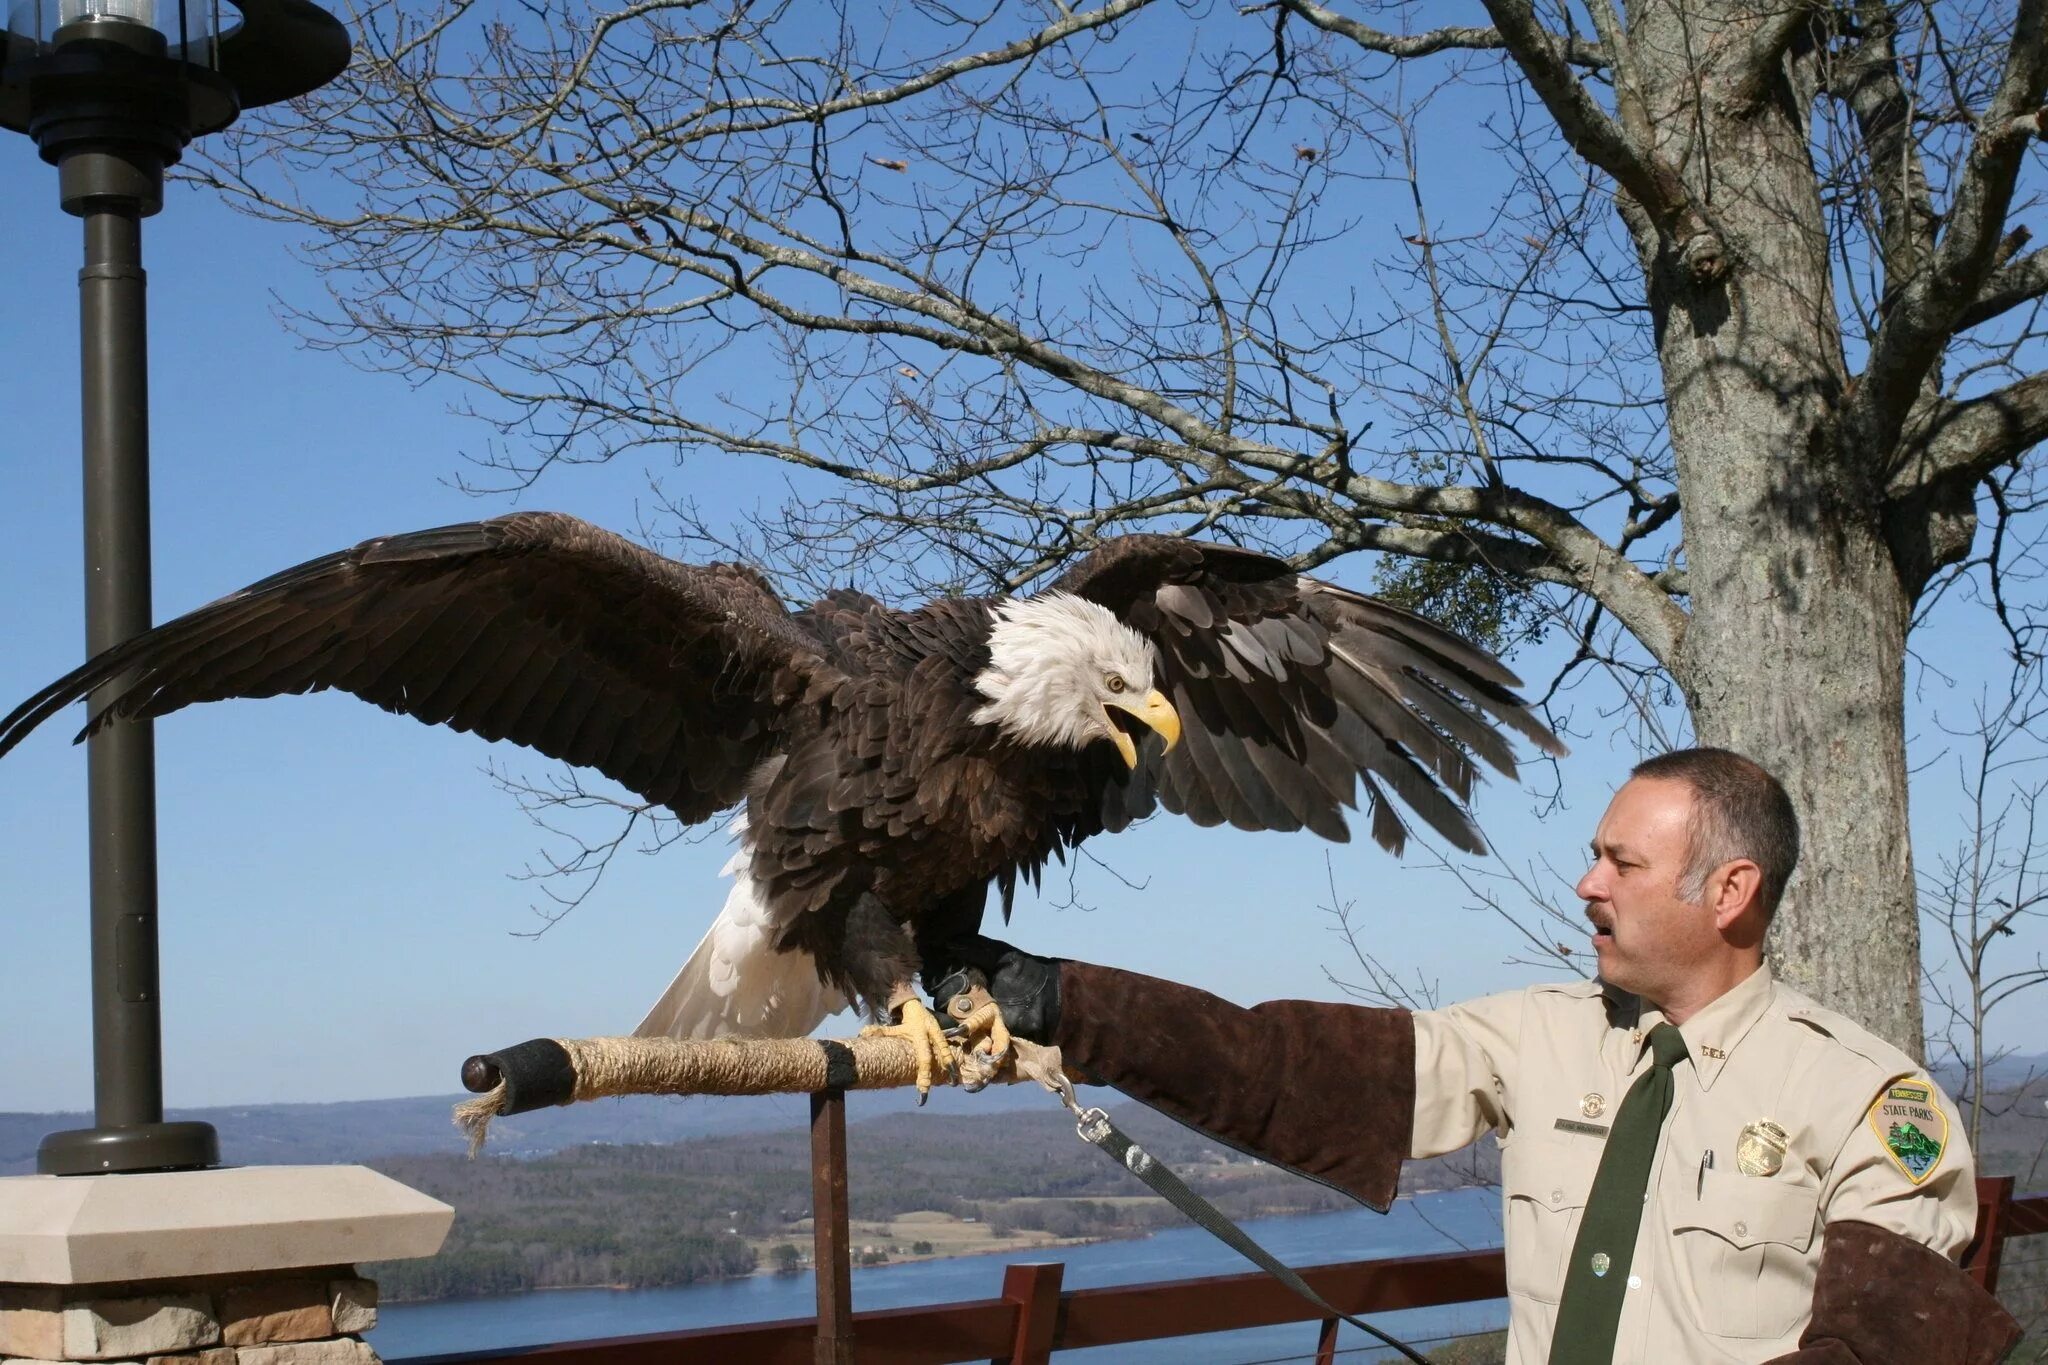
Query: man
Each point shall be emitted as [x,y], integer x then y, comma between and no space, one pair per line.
[1697,1162]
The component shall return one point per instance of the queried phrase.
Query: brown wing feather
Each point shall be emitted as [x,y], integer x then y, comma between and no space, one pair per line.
[1294,693]
[672,679]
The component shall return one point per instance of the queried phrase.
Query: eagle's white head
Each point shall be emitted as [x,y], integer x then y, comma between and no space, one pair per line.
[1063,670]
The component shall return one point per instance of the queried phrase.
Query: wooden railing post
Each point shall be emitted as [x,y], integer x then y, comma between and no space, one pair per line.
[1034,1286]
[1326,1342]
[1987,1247]
[832,1241]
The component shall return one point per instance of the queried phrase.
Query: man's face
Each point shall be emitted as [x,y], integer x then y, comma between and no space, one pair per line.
[1648,940]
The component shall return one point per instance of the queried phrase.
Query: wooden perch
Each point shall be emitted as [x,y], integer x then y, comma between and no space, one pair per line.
[559,1071]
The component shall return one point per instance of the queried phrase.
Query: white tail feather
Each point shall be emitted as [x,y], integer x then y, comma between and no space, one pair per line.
[736,985]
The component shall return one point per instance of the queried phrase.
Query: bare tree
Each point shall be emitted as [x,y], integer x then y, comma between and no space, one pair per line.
[1987,897]
[995,284]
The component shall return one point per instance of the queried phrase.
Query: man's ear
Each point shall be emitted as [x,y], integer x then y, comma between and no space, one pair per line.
[1732,889]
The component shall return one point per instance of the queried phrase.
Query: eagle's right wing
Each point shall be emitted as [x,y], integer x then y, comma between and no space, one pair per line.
[672,679]
[1295,694]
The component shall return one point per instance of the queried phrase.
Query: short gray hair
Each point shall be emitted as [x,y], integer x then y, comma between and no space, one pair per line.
[1738,811]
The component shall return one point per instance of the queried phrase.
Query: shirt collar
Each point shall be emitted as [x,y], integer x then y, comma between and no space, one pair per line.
[1713,1033]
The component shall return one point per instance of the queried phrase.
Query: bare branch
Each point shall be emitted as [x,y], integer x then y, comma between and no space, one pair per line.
[1927,305]
[1755,64]
[772,113]
[953,322]
[2018,282]
[1870,83]
[1968,439]
[1577,50]
[1635,166]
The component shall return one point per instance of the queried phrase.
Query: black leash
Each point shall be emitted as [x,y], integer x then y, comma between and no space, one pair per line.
[1044,1065]
[1095,1128]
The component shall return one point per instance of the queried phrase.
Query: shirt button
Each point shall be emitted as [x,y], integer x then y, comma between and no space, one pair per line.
[1742,1229]
[1557,1196]
[1635,1282]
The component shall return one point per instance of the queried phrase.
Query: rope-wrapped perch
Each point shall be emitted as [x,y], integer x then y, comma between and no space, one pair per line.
[559,1071]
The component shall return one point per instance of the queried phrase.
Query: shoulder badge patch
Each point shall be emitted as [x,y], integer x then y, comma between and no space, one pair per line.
[1911,1126]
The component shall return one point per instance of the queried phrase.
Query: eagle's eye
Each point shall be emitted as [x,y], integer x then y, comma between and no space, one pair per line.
[1114,682]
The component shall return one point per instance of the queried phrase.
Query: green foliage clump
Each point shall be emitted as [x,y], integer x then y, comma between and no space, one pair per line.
[1489,608]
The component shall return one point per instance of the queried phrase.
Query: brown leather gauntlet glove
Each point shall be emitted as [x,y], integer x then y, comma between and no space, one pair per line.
[1326,1090]
[1883,1299]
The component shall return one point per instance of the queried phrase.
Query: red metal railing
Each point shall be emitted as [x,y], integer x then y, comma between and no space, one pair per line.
[1034,1318]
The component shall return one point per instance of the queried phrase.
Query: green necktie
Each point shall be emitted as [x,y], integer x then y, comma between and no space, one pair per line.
[1596,1280]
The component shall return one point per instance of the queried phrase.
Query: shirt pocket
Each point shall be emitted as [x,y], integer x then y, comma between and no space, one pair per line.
[1546,1179]
[1744,1253]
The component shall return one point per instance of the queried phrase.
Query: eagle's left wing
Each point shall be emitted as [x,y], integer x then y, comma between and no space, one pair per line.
[674,680]
[1293,692]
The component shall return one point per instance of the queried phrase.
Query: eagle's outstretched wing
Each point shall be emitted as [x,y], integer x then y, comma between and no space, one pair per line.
[1293,692]
[539,628]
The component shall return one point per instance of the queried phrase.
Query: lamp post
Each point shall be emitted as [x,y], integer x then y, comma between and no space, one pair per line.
[112,91]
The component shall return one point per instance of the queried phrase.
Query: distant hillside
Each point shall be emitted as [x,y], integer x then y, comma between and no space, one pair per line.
[359,1130]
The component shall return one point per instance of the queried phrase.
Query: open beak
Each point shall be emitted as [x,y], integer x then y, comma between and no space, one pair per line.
[1156,711]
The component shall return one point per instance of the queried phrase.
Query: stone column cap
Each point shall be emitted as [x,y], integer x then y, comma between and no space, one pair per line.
[95,1229]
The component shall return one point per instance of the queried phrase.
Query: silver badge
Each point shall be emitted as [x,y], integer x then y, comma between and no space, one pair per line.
[1592,1104]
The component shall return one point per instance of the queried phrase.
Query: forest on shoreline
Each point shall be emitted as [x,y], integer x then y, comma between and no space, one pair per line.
[646,1216]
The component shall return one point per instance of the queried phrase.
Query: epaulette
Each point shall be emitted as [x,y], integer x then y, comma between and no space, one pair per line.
[1852,1037]
[1583,989]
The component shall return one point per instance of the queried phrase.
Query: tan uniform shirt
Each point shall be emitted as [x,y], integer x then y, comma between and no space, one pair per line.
[1725,1261]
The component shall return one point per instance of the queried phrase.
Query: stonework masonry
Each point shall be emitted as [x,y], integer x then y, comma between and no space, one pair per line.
[292,1317]
[233,1265]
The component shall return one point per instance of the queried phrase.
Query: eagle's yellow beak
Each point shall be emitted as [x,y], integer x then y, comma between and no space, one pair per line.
[1156,711]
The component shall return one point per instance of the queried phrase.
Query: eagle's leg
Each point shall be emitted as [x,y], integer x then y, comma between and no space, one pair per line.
[918,1026]
[879,953]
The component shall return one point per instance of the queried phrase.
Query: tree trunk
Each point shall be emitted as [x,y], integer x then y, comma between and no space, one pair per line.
[1799,664]
[1795,650]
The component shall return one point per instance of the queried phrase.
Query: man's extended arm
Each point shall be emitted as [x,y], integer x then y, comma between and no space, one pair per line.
[1324,1089]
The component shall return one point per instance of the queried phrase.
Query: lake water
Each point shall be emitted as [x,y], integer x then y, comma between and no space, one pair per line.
[1432,1222]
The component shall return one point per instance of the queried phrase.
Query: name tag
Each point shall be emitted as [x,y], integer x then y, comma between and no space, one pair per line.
[1598,1130]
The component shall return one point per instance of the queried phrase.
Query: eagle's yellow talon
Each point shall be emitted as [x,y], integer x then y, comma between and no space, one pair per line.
[988,1019]
[917,1026]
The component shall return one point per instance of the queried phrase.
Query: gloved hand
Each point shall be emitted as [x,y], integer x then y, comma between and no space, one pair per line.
[1026,989]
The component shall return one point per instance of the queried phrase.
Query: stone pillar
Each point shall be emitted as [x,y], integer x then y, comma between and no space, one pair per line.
[239,1266]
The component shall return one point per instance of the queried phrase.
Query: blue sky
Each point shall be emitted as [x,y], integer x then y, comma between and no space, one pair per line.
[337,917]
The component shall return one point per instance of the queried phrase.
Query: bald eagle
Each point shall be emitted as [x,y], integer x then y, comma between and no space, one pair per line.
[892,765]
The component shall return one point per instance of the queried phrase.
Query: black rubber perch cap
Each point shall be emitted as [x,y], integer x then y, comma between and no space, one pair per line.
[535,1075]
